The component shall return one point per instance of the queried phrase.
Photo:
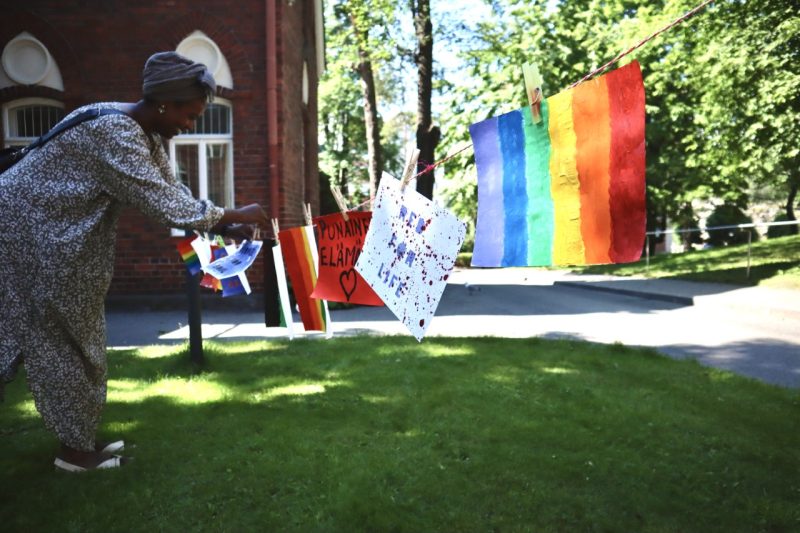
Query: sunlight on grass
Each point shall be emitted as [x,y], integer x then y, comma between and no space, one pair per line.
[502,377]
[157,351]
[121,427]
[720,376]
[26,408]
[432,349]
[371,398]
[297,389]
[251,347]
[181,391]
[558,370]
[438,350]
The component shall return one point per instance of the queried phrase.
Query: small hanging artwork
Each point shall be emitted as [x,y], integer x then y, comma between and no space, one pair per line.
[409,252]
[283,292]
[300,257]
[339,243]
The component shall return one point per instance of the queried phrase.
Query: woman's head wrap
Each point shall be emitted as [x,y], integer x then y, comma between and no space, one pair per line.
[170,77]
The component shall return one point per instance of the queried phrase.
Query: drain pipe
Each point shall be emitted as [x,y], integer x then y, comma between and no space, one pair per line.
[272,313]
[273,152]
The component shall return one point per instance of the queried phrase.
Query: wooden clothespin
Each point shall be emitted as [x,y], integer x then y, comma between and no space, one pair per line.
[307,214]
[533,88]
[275,229]
[256,233]
[411,166]
[337,195]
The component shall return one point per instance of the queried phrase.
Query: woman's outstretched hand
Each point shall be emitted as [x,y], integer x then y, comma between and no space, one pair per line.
[239,232]
[252,214]
[238,223]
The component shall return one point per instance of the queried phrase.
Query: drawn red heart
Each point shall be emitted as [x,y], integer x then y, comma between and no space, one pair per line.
[348,281]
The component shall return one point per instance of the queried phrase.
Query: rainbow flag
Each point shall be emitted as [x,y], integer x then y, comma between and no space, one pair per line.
[300,258]
[569,190]
[189,255]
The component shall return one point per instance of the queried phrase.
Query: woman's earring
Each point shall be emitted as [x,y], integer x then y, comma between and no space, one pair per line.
[162,109]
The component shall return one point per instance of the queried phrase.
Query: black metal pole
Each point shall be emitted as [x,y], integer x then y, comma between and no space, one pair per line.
[272,311]
[195,319]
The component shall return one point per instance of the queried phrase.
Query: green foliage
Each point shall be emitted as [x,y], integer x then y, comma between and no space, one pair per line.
[343,138]
[388,434]
[775,232]
[729,215]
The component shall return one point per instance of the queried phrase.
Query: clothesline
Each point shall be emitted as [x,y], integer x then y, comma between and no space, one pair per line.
[653,35]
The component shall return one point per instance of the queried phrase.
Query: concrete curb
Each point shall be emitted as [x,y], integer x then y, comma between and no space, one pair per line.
[671,298]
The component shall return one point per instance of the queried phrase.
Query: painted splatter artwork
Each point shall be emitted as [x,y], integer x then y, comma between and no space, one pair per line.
[569,190]
[409,252]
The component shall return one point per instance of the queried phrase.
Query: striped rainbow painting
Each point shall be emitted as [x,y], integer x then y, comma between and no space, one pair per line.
[570,189]
[299,250]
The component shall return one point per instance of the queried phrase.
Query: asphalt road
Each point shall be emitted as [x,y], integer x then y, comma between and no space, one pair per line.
[724,328]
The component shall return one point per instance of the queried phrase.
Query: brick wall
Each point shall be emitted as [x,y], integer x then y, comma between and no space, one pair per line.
[101,47]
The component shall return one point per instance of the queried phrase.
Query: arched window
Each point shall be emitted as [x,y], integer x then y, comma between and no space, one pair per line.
[203,158]
[26,119]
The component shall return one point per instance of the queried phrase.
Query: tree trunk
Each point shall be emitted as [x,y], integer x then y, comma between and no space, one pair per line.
[371,121]
[428,135]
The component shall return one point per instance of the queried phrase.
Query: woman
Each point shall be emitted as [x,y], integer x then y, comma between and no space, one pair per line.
[58,214]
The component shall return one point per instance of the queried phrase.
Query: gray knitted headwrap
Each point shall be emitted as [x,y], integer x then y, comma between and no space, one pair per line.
[170,77]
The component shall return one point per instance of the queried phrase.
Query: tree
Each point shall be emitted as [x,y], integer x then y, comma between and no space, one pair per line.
[428,135]
[362,68]
[748,80]
[341,118]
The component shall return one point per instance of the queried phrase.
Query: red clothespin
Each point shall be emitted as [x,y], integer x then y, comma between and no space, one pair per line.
[533,88]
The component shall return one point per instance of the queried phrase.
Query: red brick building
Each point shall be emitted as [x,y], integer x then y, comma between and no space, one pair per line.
[256,143]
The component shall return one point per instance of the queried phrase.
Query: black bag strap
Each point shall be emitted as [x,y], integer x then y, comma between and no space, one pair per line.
[63,126]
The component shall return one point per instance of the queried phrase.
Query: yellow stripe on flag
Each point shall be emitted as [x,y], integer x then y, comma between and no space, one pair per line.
[564,184]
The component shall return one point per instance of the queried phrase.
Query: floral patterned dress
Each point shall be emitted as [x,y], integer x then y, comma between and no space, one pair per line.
[58,215]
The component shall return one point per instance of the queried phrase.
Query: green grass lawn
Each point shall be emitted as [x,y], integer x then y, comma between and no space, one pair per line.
[773,263]
[385,434]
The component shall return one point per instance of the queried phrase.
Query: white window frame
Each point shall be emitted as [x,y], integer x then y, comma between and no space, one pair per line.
[22,102]
[202,141]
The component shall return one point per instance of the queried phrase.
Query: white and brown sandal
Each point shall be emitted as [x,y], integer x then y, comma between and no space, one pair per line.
[112,462]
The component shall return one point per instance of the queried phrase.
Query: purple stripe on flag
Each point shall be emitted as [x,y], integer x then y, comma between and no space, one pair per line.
[489,160]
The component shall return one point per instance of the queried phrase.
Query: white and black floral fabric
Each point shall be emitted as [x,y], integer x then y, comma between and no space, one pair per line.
[58,215]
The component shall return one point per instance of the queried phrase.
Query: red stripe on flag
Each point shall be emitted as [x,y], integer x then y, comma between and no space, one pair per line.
[627,163]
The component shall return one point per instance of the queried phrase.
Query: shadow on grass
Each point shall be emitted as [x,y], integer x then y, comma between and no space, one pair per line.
[391,435]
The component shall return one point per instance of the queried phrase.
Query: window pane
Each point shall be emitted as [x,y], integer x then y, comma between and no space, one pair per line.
[186,167]
[33,120]
[216,119]
[217,166]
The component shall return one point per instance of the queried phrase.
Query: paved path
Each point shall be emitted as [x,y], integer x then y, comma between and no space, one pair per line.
[752,331]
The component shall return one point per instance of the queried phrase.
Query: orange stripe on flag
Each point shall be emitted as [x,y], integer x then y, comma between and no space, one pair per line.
[593,131]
